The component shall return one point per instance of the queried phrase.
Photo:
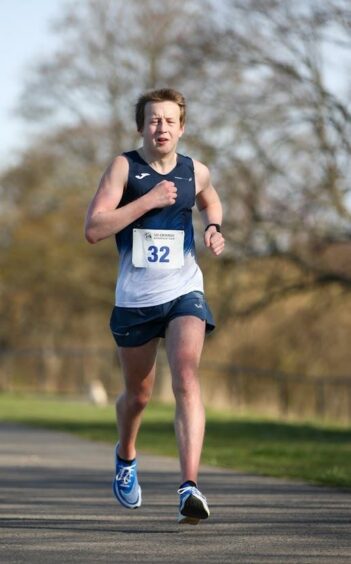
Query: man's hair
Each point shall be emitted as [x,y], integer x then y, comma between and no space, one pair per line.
[161,95]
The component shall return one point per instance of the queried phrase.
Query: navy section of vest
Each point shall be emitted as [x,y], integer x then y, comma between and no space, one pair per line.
[178,216]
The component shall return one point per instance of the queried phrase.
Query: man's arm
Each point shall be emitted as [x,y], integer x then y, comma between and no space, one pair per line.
[210,207]
[105,219]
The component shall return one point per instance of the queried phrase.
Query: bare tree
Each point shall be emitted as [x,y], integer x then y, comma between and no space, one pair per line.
[280,142]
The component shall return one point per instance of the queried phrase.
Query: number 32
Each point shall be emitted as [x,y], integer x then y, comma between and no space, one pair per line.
[158,254]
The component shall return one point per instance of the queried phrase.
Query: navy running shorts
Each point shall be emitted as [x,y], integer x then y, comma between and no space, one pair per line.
[135,326]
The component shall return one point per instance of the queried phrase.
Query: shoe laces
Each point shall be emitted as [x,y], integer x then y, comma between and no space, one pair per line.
[192,490]
[125,475]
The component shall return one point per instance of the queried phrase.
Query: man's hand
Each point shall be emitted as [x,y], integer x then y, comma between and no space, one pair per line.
[214,240]
[162,195]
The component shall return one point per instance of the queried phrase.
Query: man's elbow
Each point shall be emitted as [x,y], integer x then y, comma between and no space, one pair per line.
[90,236]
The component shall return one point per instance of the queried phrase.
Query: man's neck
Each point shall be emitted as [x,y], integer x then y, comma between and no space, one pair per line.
[161,163]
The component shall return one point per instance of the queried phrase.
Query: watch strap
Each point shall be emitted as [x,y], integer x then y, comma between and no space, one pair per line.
[216,225]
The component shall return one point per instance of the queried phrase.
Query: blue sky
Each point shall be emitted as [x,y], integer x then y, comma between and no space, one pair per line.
[24,37]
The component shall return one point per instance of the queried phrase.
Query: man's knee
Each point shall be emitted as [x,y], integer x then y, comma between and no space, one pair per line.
[185,381]
[136,400]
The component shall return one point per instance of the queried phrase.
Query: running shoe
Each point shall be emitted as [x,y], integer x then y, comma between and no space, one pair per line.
[192,506]
[125,484]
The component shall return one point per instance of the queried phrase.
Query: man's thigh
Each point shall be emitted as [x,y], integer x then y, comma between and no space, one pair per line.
[139,364]
[184,342]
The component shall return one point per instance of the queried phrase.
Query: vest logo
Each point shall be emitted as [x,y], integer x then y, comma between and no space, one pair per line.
[142,175]
[182,178]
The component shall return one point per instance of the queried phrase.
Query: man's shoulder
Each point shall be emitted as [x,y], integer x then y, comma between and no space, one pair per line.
[117,170]
[202,176]
[196,164]
[185,161]
[200,168]
[133,156]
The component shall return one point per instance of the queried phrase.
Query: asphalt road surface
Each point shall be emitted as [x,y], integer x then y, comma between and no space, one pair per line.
[56,505]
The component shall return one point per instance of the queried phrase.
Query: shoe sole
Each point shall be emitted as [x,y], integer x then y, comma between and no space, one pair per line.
[193,512]
[122,501]
[183,520]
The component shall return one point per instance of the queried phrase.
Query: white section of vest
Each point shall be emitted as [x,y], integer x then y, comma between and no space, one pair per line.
[144,287]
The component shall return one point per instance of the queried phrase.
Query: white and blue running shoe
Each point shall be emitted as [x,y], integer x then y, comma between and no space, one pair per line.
[192,506]
[125,484]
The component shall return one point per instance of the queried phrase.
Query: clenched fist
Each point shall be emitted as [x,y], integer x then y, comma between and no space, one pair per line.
[214,241]
[163,194]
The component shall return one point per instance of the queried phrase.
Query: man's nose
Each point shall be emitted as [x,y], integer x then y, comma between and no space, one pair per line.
[162,124]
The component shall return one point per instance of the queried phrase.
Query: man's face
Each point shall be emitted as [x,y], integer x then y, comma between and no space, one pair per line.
[162,128]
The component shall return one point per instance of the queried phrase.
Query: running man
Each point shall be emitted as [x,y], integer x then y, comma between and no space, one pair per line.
[145,199]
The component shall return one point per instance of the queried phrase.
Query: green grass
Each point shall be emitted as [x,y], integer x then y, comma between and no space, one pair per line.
[312,452]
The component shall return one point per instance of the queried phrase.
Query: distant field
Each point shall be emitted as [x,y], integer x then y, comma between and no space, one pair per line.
[311,452]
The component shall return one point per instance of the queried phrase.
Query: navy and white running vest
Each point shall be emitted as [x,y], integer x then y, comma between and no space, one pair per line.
[143,287]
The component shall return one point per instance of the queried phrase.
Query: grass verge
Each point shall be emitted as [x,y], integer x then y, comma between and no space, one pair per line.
[315,453]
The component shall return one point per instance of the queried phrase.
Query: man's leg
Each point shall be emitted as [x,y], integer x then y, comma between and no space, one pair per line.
[184,343]
[138,365]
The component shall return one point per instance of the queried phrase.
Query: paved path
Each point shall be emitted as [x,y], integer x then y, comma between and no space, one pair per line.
[56,506]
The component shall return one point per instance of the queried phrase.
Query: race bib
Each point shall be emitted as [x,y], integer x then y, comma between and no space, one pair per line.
[158,248]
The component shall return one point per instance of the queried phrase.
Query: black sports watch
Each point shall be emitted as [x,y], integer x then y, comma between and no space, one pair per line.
[216,225]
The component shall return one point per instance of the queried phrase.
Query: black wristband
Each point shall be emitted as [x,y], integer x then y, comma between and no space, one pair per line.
[216,225]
